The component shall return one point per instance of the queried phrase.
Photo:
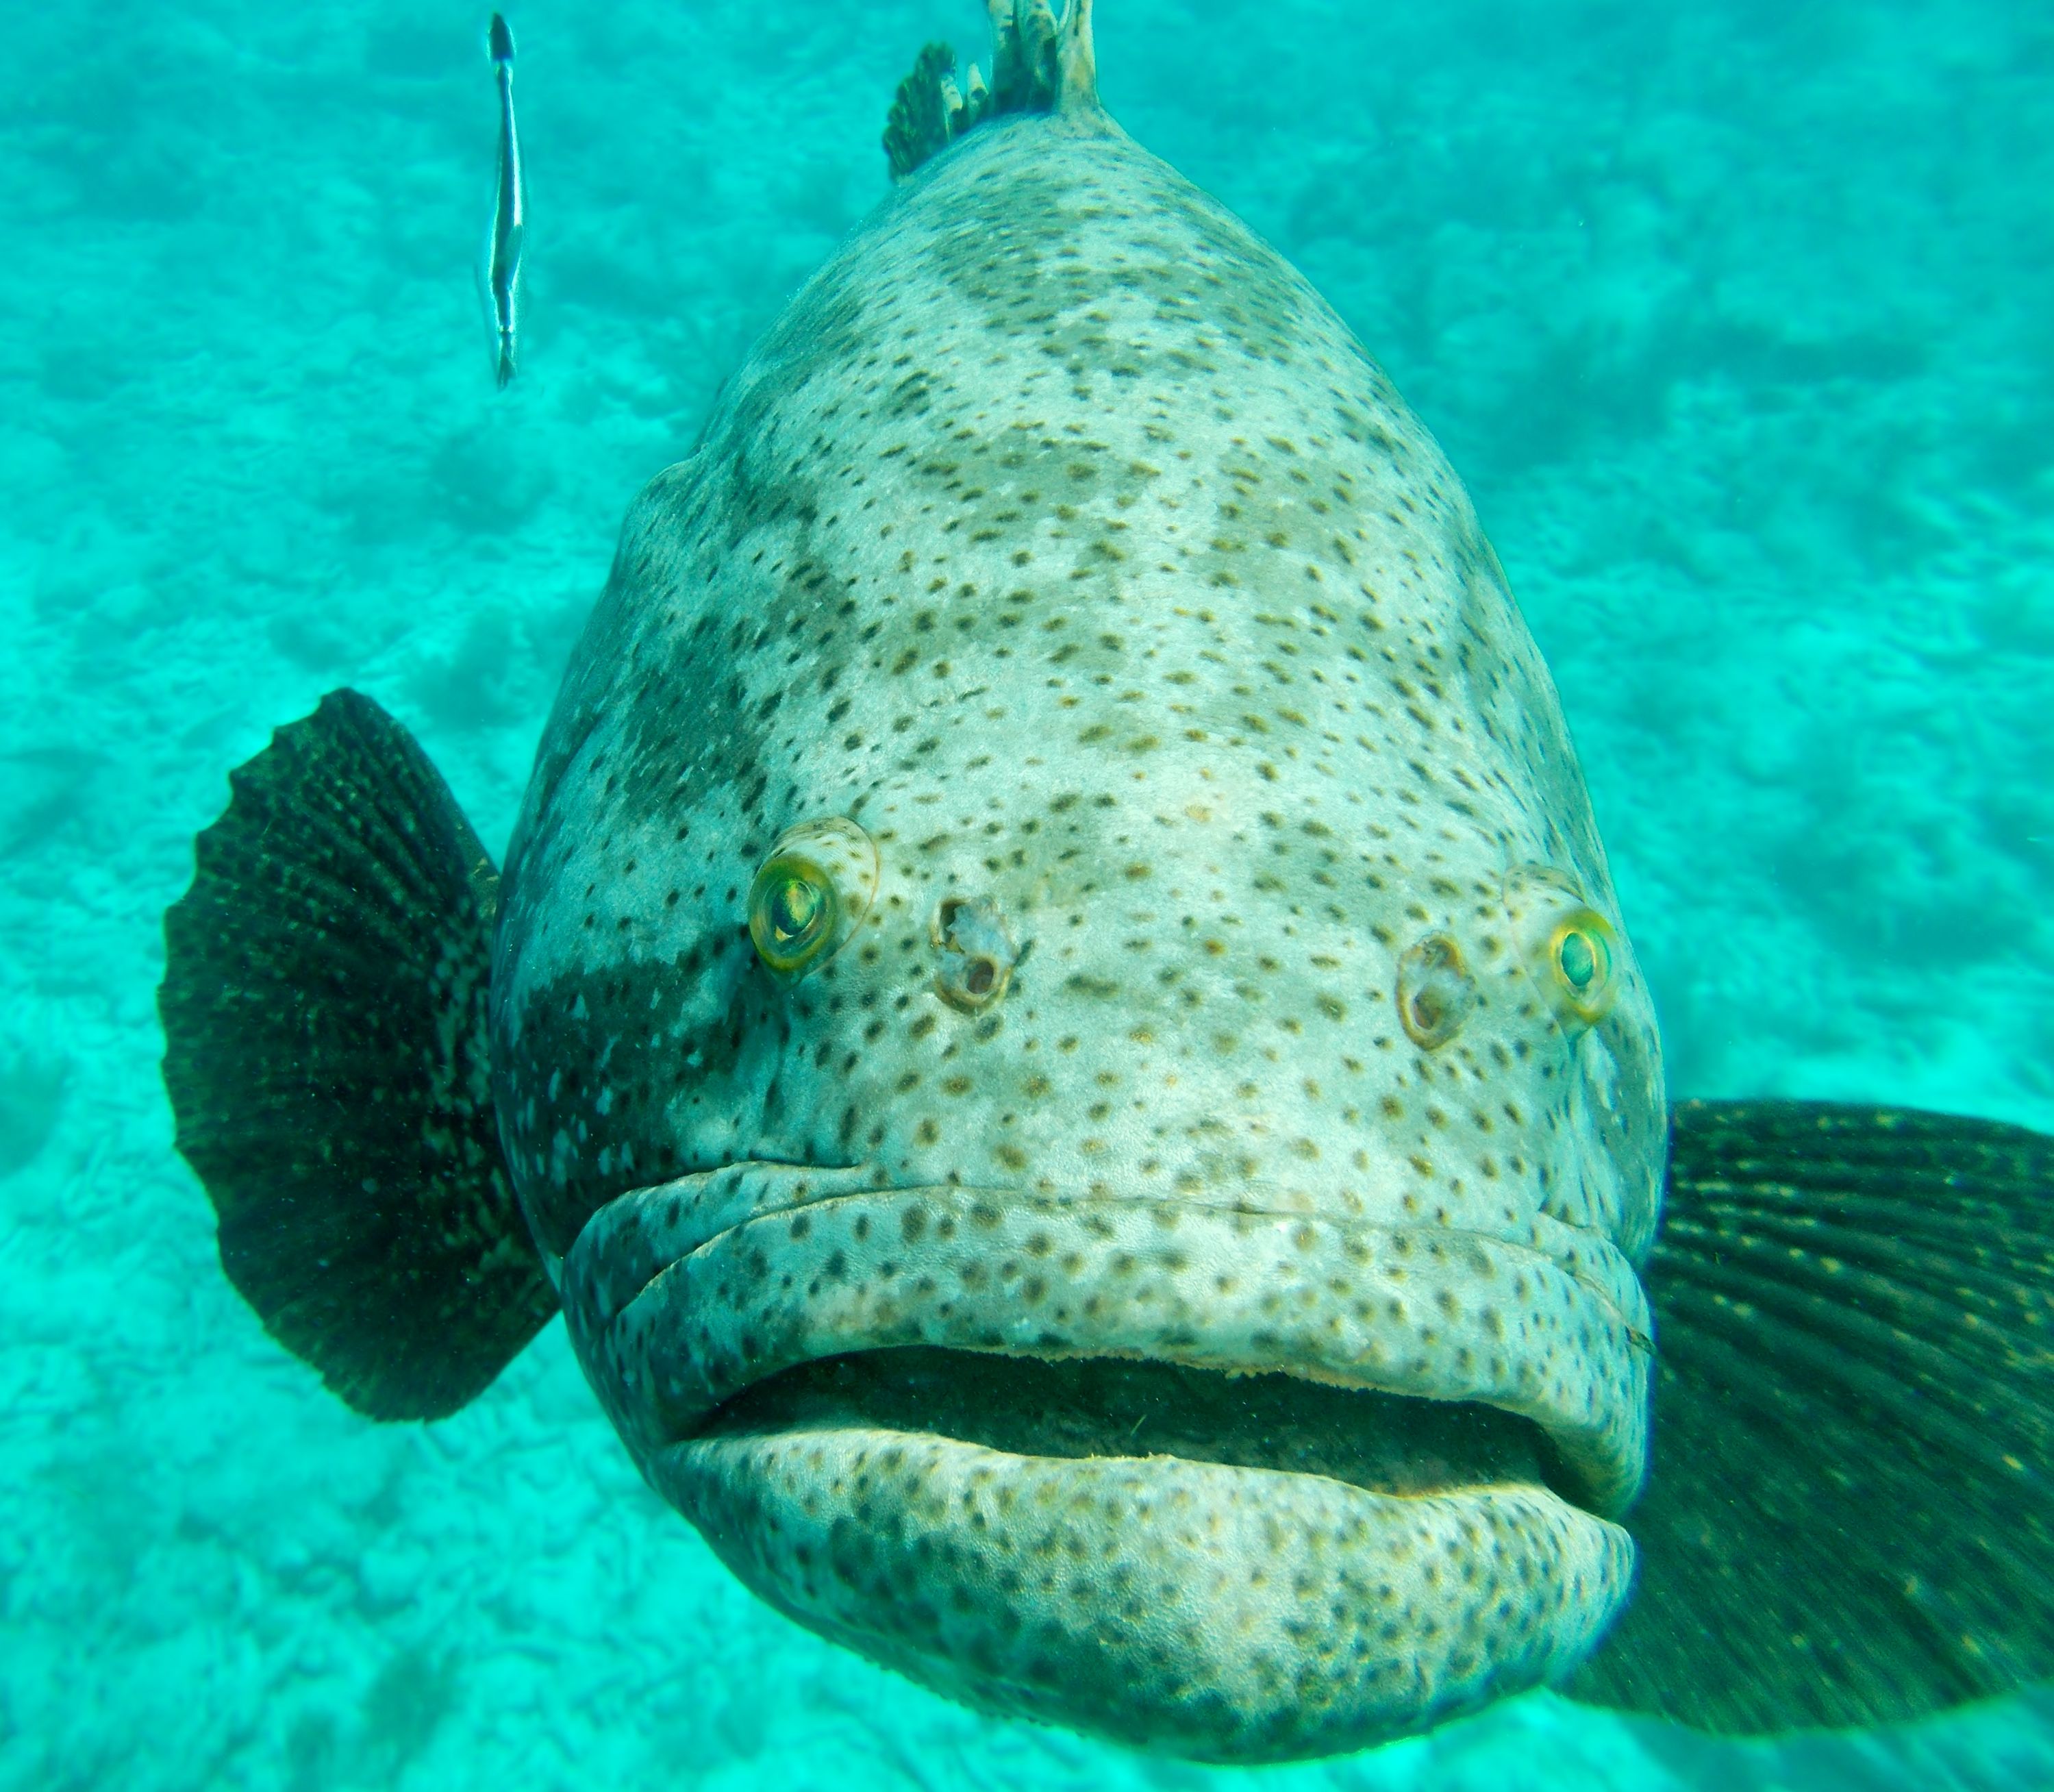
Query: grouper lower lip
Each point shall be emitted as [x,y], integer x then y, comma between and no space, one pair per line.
[964,1564]
[1216,1613]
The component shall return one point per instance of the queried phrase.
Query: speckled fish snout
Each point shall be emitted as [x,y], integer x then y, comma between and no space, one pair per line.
[846,1376]
[686,1295]
[846,1383]
[1002,1560]
[1060,1009]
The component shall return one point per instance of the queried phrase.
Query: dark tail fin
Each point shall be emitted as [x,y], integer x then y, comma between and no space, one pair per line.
[1849,1517]
[324,1005]
[499,40]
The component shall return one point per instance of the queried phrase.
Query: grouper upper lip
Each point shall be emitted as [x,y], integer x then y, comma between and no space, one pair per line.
[681,1295]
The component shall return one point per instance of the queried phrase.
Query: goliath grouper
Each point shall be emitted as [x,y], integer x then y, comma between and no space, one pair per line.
[1057,1022]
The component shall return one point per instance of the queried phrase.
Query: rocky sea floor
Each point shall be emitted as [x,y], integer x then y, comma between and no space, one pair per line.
[1738,319]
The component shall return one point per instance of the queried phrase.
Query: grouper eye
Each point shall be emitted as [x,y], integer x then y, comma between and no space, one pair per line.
[1581,956]
[810,895]
[1570,951]
[798,908]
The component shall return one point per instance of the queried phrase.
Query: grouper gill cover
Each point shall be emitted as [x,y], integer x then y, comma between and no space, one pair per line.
[1056,1024]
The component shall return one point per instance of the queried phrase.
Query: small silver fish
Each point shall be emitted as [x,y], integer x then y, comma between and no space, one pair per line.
[509,207]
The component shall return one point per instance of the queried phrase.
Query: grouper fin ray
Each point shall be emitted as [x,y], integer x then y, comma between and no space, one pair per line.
[1849,1513]
[324,1007]
[1037,65]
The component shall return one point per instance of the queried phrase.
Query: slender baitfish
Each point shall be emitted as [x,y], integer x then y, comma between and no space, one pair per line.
[509,211]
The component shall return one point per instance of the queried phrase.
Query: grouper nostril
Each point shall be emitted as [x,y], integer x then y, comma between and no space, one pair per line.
[975,945]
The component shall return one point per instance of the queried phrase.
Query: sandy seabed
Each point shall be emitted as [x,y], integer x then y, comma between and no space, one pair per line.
[1738,319]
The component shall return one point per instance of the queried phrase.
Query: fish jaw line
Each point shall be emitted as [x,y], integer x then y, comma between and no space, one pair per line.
[1210,1608]
[681,1296]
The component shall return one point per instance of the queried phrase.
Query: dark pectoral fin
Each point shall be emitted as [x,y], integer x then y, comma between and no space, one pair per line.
[324,1005]
[1848,1517]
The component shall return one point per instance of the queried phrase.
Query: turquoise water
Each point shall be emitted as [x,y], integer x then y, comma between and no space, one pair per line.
[1738,320]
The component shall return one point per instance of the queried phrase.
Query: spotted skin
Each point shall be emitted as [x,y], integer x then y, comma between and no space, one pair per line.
[1346,1607]
[1060,535]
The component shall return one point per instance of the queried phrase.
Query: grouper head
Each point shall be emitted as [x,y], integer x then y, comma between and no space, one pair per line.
[1058,1014]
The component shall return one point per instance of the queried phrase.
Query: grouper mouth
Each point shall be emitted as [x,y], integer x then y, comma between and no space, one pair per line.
[1234,1485]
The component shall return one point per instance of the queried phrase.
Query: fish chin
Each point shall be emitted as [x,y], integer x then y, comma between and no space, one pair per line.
[1226,1485]
[1196,1608]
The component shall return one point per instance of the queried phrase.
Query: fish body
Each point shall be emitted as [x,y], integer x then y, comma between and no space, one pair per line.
[1064,540]
[509,209]
[1057,1023]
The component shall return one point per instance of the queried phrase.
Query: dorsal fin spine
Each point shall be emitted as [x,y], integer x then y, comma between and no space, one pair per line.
[1076,88]
[1037,65]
